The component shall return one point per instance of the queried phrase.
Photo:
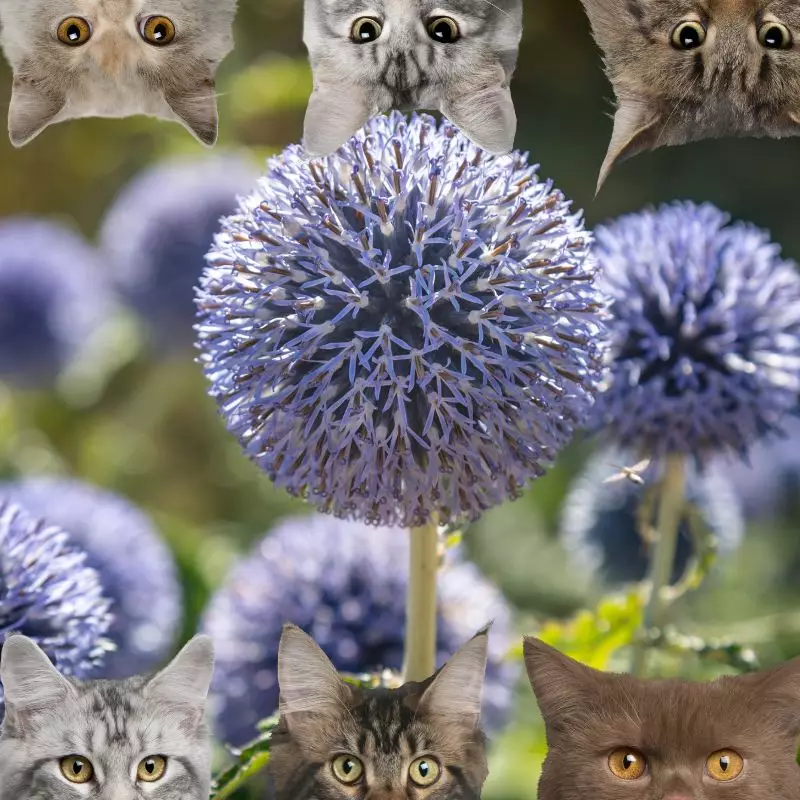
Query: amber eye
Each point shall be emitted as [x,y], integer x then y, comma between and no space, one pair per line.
[158,30]
[688,35]
[366,29]
[424,771]
[74,31]
[775,36]
[151,769]
[77,769]
[725,765]
[627,764]
[347,769]
[444,30]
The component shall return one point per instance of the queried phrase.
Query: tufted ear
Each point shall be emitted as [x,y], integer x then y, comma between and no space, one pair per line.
[335,113]
[486,116]
[33,107]
[187,678]
[30,681]
[194,102]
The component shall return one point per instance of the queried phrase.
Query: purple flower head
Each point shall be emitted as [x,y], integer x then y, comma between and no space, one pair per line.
[48,592]
[343,583]
[53,297]
[705,335]
[600,522]
[406,328]
[157,233]
[135,566]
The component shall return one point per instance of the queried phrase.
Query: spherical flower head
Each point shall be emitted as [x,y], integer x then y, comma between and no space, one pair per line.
[156,235]
[53,298]
[403,329]
[135,566]
[49,593]
[343,583]
[705,332]
[601,521]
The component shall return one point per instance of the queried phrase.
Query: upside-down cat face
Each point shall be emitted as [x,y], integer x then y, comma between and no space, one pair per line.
[685,70]
[372,56]
[114,58]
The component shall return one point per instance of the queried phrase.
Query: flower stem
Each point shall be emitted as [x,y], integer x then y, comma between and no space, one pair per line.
[420,643]
[670,509]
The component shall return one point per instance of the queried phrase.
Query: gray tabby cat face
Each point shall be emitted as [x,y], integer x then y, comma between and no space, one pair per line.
[684,71]
[337,742]
[106,740]
[114,58]
[372,56]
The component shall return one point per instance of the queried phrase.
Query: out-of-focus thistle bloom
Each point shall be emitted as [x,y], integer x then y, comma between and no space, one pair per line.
[405,328]
[53,298]
[705,336]
[135,566]
[157,233]
[601,521]
[343,583]
[48,592]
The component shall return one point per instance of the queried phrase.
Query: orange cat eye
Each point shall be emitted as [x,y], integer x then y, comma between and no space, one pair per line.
[627,764]
[158,31]
[724,765]
[74,31]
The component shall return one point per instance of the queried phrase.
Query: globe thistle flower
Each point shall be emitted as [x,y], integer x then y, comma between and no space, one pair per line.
[48,592]
[53,298]
[705,332]
[404,329]
[135,566]
[157,233]
[600,526]
[341,582]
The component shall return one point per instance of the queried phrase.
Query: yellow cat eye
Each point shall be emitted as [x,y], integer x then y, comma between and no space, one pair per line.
[424,771]
[158,30]
[627,764]
[347,769]
[775,36]
[151,769]
[74,31]
[77,769]
[444,30]
[725,765]
[366,29]
[688,35]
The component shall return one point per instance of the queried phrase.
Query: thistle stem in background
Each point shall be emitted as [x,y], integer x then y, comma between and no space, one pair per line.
[420,644]
[670,508]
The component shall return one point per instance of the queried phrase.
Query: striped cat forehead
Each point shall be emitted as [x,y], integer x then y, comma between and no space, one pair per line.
[480,9]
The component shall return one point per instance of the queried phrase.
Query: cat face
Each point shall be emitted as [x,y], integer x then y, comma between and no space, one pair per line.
[336,742]
[684,70]
[105,740]
[372,56]
[615,737]
[114,58]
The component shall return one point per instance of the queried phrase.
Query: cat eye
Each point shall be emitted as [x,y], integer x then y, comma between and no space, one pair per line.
[424,771]
[74,31]
[725,765]
[159,31]
[347,769]
[775,36]
[689,35]
[627,764]
[366,29]
[151,769]
[77,769]
[444,30]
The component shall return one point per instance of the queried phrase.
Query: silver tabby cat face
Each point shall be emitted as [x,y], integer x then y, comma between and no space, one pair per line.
[371,56]
[138,739]
[114,58]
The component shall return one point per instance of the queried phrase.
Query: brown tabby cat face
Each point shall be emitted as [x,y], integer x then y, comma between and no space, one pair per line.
[685,70]
[335,742]
[614,737]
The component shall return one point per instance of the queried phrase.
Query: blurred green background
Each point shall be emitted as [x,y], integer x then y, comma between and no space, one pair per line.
[150,432]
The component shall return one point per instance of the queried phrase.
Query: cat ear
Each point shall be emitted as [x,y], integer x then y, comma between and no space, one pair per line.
[30,681]
[32,109]
[187,678]
[486,117]
[195,105]
[780,688]
[457,688]
[334,115]
[308,681]
[636,129]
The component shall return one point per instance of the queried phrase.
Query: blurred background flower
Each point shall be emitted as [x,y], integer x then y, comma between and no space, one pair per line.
[344,584]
